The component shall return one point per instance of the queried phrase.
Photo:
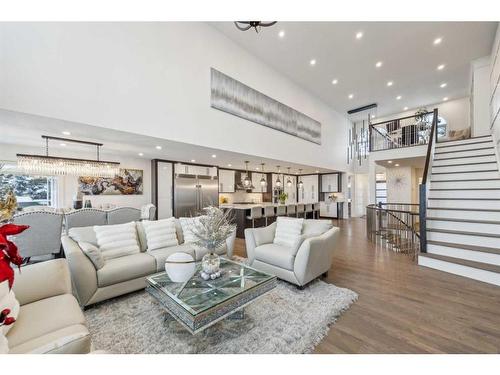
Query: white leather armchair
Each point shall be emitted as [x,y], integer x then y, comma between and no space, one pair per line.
[309,259]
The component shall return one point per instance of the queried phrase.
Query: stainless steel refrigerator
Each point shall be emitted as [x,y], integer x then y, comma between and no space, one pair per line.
[193,193]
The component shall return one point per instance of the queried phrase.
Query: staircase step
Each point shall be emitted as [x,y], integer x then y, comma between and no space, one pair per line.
[465,193]
[464,146]
[466,238]
[485,272]
[480,151]
[460,213]
[465,225]
[465,160]
[473,175]
[469,203]
[469,167]
[466,184]
[465,141]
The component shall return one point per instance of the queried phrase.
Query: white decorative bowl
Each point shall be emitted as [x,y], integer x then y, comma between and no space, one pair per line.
[180,267]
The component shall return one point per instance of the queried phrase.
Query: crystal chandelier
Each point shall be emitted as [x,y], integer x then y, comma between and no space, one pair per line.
[56,165]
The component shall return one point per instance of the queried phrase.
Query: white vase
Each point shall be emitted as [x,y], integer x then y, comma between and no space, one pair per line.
[180,267]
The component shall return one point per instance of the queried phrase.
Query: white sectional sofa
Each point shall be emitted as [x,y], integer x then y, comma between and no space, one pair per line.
[123,274]
[308,257]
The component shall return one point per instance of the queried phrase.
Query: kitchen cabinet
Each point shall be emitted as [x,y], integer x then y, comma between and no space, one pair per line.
[196,170]
[226,181]
[330,183]
[328,209]
[309,191]
[258,188]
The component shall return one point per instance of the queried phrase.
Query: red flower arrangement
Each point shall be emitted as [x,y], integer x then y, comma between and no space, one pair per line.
[9,253]
[5,319]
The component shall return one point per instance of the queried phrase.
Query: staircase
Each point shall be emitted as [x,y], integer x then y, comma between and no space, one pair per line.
[463,210]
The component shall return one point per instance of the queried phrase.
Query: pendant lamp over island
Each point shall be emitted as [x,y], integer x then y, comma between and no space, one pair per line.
[301,184]
[247,182]
[288,181]
[278,181]
[263,181]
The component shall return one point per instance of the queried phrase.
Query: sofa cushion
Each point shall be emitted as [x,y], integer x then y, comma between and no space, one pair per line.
[316,227]
[126,268]
[117,240]
[9,301]
[264,235]
[161,255]
[83,234]
[187,224]
[93,253]
[288,231]
[160,233]
[276,255]
[44,317]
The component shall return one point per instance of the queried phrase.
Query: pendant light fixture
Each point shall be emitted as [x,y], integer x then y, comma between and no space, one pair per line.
[288,181]
[57,165]
[247,182]
[263,181]
[301,184]
[278,181]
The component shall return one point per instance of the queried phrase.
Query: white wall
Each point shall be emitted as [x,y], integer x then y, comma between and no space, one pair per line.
[480,72]
[494,97]
[154,79]
[68,185]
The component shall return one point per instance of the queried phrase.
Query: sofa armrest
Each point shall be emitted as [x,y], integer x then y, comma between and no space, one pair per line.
[258,236]
[314,256]
[83,272]
[42,280]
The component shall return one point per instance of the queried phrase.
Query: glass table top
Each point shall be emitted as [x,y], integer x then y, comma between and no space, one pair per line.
[197,295]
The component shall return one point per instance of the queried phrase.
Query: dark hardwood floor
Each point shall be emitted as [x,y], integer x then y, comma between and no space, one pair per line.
[405,308]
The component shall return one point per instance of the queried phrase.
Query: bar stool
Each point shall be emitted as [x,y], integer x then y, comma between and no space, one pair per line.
[300,209]
[291,209]
[255,213]
[316,210]
[281,211]
[309,210]
[269,212]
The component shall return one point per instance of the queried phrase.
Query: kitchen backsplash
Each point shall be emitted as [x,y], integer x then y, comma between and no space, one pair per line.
[241,196]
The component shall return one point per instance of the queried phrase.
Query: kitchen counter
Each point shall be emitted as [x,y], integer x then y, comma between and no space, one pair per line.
[245,206]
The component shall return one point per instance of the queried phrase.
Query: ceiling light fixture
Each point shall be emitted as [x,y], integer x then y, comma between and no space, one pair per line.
[437,41]
[257,25]
[398,97]
[396,165]
[66,132]
[301,184]
[140,154]
[278,181]
[445,98]
[229,165]
[281,34]
[441,67]
[193,161]
[378,64]
[214,156]
[351,96]
[312,62]
[390,83]
[46,165]
[288,180]
[389,161]
[263,181]
[247,182]
[158,147]
[62,144]
[405,108]
[373,116]
[359,35]
[443,85]
[335,81]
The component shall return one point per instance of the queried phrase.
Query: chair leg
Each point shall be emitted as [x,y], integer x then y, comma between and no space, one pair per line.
[266,221]
[253,223]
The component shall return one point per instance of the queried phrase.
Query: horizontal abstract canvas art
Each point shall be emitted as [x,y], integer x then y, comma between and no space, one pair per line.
[127,182]
[232,96]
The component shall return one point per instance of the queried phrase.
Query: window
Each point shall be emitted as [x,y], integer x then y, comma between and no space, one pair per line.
[29,190]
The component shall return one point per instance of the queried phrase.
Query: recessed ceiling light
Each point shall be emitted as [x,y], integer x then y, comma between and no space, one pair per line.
[390,83]
[229,165]
[281,34]
[398,97]
[396,165]
[443,85]
[437,41]
[214,156]
[378,64]
[158,147]
[317,171]
[390,161]
[256,168]
[66,132]
[445,98]
[441,67]
[373,116]
[140,154]
[335,81]
[359,35]
[312,62]
[405,108]
[193,160]
[351,96]
[62,144]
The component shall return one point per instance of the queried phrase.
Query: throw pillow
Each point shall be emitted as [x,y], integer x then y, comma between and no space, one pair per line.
[288,231]
[83,234]
[8,301]
[160,233]
[116,241]
[187,224]
[317,227]
[93,253]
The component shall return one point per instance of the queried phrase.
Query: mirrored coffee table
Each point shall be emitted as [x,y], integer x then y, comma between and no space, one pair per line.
[197,304]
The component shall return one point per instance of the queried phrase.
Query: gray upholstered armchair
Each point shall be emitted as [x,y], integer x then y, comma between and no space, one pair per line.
[309,258]
[85,217]
[123,215]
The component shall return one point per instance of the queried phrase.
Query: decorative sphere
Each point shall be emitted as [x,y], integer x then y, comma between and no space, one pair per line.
[177,269]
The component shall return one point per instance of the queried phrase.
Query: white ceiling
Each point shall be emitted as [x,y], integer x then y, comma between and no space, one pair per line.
[25,130]
[409,57]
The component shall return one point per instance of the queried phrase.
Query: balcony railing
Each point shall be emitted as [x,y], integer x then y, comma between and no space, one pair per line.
[401,132]
[395,226]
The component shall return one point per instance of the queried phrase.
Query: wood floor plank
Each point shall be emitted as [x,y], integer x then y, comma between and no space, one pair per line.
[403,307]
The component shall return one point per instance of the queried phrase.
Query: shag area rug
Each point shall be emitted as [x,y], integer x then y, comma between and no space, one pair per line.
[286,320]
